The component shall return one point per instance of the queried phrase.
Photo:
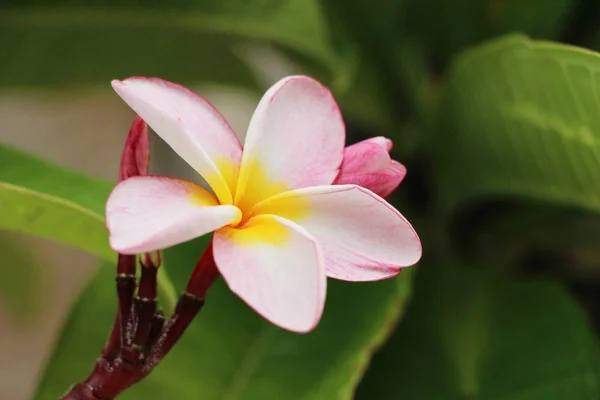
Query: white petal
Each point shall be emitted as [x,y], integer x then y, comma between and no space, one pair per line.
[150,213]
[276,268]
[191,126]
[295,139]
[362,237]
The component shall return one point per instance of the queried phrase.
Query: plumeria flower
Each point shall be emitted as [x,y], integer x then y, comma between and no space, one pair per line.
[369,165]
[280,225]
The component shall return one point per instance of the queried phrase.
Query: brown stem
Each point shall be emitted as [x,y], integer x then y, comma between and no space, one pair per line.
[127,368]
[189,304]
[120,378]
[125,290]
[141,338]
[187,308]
[125,283]
[146,306]
[158,322]
[204,274]
[80,392]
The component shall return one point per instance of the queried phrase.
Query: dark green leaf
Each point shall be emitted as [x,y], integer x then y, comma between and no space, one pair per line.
[463,23]
[521,118]
[472,334]
[80,42]
[64,55]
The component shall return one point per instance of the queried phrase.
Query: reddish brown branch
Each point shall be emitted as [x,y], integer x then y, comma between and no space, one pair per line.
[187,308]
[125,291]
[189,304]
[158,323]
[145,305]
[141,338]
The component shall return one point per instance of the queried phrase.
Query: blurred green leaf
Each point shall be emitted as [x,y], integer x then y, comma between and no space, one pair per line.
[370,29]
[66,56]
[46,200]
[82,42]
[49,201]
[20,271]
[531,236]
[230,352]
[461,23]
[476,334]
[521,118]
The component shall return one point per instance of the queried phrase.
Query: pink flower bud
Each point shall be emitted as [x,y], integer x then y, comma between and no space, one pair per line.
[368,164]
[136,153]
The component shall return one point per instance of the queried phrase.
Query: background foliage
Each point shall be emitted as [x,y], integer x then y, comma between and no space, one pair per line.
[494,106]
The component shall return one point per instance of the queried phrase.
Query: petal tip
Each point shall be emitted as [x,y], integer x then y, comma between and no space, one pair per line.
[305,80]
[117,84]
[304,326]
[302,329]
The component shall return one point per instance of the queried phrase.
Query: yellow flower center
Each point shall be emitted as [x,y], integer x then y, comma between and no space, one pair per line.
[255,194]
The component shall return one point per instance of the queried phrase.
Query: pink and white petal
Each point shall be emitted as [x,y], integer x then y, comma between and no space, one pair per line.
[362,237]
[382,183]
[295,139]
[382,141]
[191,126]
[136,152]
[150,213]
[395,173]
[277,268]
[364,157]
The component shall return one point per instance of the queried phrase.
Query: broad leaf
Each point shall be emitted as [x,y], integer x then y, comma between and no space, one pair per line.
[78,42]
[78,55]
[369,27]
[230,352]
[521,118]
[458,26]
[48,201]
[45,200]
[478,335]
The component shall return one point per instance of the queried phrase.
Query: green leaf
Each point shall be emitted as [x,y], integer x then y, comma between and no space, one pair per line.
[230,352]
[79,42]
[20,271]
[521,234]
[370,30]
[48,201]
[475,334]
[521,118]
[87,55]
[471,21]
